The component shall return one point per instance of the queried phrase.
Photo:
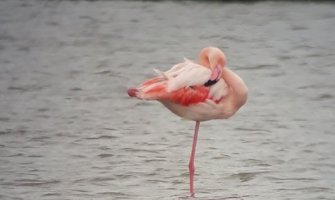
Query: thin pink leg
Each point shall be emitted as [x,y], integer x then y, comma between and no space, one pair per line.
[191,163]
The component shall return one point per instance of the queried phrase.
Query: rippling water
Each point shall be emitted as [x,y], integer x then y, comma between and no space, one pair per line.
[69,131]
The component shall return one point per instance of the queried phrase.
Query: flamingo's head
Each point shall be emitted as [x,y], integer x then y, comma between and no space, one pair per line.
[214,59]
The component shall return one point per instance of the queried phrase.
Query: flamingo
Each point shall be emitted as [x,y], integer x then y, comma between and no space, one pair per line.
[196,91]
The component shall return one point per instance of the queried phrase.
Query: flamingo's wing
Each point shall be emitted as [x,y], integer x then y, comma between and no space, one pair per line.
[179,74]
[183,96]
[189,95]
[186,74]
[182,84]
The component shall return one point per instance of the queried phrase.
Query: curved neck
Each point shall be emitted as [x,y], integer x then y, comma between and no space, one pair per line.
[239,89]
[211,57]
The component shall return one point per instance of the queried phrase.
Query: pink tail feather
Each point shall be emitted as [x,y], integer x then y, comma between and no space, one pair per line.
[152,89]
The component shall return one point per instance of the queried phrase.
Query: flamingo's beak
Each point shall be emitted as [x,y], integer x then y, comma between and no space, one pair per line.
[216,73]
[215,76]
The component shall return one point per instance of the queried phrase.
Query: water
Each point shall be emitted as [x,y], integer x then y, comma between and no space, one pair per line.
[69,131]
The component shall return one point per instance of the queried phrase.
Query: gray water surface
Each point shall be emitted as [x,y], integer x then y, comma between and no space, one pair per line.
[68,130]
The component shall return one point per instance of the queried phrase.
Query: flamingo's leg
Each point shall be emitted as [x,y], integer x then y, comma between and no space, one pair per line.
[191,163]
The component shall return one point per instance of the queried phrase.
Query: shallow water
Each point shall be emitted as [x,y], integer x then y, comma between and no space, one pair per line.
[69,131]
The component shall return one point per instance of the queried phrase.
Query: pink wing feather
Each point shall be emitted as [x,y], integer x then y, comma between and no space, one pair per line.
[182,84]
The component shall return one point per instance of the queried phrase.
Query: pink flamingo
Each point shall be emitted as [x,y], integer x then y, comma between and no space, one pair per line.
[197,91]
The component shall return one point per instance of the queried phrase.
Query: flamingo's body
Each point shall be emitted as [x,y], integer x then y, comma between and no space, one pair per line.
[197,91]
